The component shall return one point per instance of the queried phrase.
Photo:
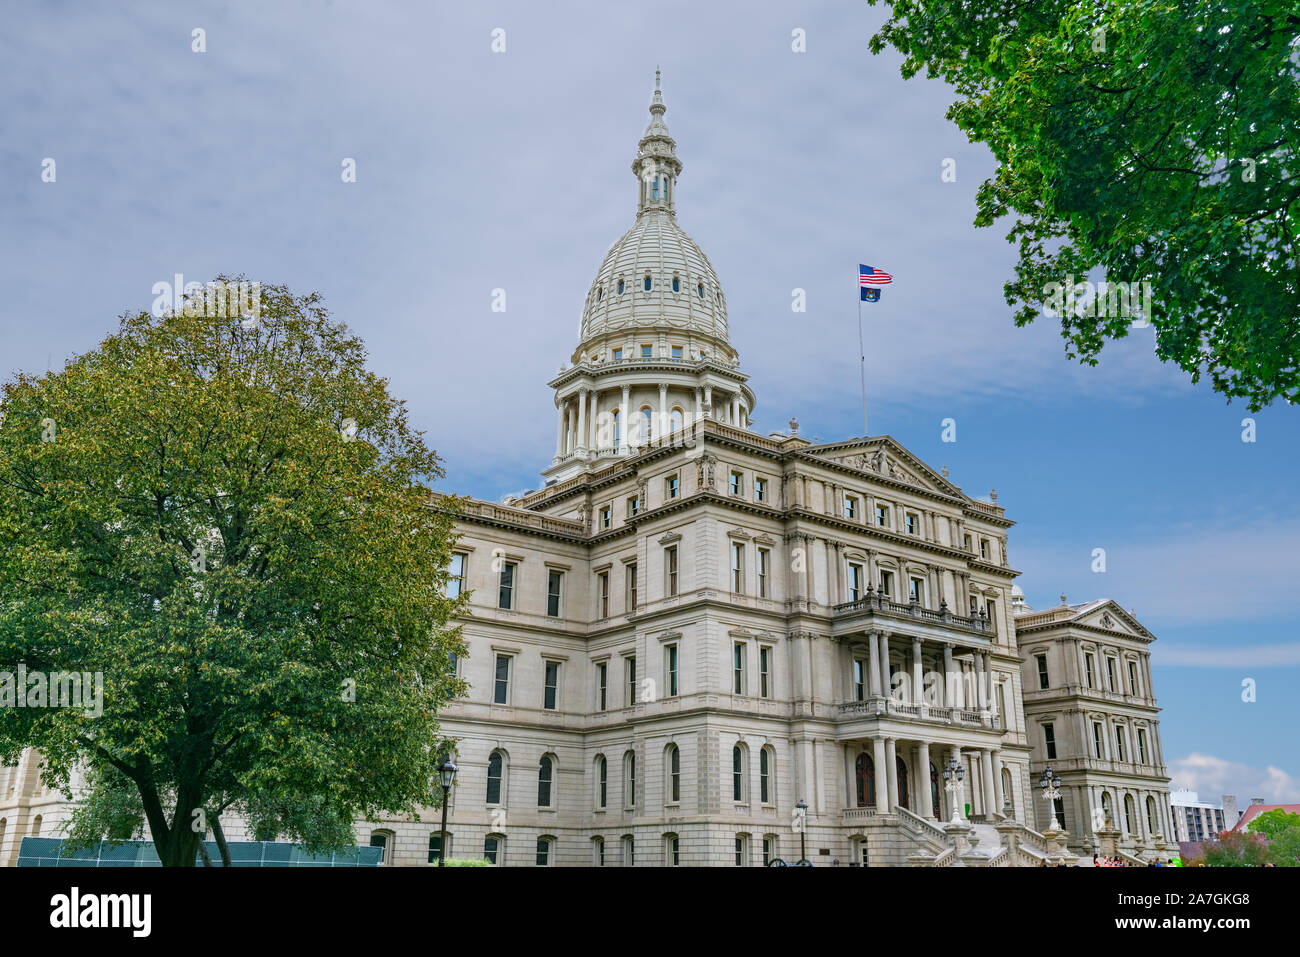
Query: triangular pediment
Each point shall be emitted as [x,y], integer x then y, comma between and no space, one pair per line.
[1107,615]
[884,457]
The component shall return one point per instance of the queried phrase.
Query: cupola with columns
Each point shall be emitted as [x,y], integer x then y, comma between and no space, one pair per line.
[654,352]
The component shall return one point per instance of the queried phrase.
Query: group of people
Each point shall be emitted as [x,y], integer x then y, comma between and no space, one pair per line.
[1099,861]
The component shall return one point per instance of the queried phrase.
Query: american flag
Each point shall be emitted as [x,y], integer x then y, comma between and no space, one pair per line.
[867,276]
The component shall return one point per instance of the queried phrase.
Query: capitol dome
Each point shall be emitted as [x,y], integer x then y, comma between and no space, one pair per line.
[655,281]
[654,355]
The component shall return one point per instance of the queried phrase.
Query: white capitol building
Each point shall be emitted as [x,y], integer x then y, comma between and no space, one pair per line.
[692,629]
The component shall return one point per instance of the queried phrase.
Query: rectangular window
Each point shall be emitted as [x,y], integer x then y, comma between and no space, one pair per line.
[737,483]
[491,847]
[552,685]
[606,518]
[1087,670]
[850,506]
[677,352]
[631,588]
[671,667]
[1119,744]
[855,582]
[670,571]
[1049,741]
[456,576]
[618,355]
[1097,746]
[1132,678]
[916,591]
[602,594]
[765,672]
[1110,672]
[738,568]
[647,351]
[435,848]
[501,693]
[554,581]
[887,585]
[760,490]
[738,667]
[769,851]
[859,688]
[764,560]
[984,548]
[629,669]
[602,686]
[506,594]
[1142,746]
[1043,680]
[740,852]
[882,515]
[966,543]
[910,523]
[633,506]
[992,608]
[671,486]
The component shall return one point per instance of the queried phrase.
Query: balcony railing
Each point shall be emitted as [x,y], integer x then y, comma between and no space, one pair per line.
[874,602]
[933,714]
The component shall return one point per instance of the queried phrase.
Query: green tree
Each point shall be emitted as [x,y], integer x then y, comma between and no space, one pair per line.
[1137,141]
[226,519]
[1274,822]
[1236,849]
[1284,847]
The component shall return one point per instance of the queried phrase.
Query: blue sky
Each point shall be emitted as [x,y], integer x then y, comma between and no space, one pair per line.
[479,170]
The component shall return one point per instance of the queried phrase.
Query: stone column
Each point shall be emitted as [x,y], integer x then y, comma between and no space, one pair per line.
[624,421]
[949,678]
[998,797]
[851,773]
[708,400]
[873,664]
[582,420]
[884,664]
[987,693]
[891,760]
[664,423]
[918,681]
[699,403]
[878,756]
[561,410]
[923,769]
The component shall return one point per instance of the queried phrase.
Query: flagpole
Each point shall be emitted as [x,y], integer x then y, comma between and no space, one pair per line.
[862,356]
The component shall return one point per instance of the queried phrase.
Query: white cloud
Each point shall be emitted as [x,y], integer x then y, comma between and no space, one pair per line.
[1211,777]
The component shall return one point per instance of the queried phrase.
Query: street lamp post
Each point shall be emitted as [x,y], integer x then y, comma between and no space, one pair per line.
[447,773]
[802,808]
[1051,785]
[953,775]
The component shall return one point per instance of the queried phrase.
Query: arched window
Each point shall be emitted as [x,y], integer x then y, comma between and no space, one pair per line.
[597,852]
[494,777]
[654,193]
[494,848]
[602,782]
[766,764]
[382,840]
[1128,813]
[672,850]
[738,773]
[676,420]
[629,850]
[647,282]
[647,424]
[699,289]
[674,762]
[545,769]
[629,779]
[600,293]
[900,767]
[677,284]
[545,850]
[934,790]
[620,287]
[866,775]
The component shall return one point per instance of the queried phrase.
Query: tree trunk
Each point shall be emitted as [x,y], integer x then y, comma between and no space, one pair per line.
[220,836]
[203,853]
